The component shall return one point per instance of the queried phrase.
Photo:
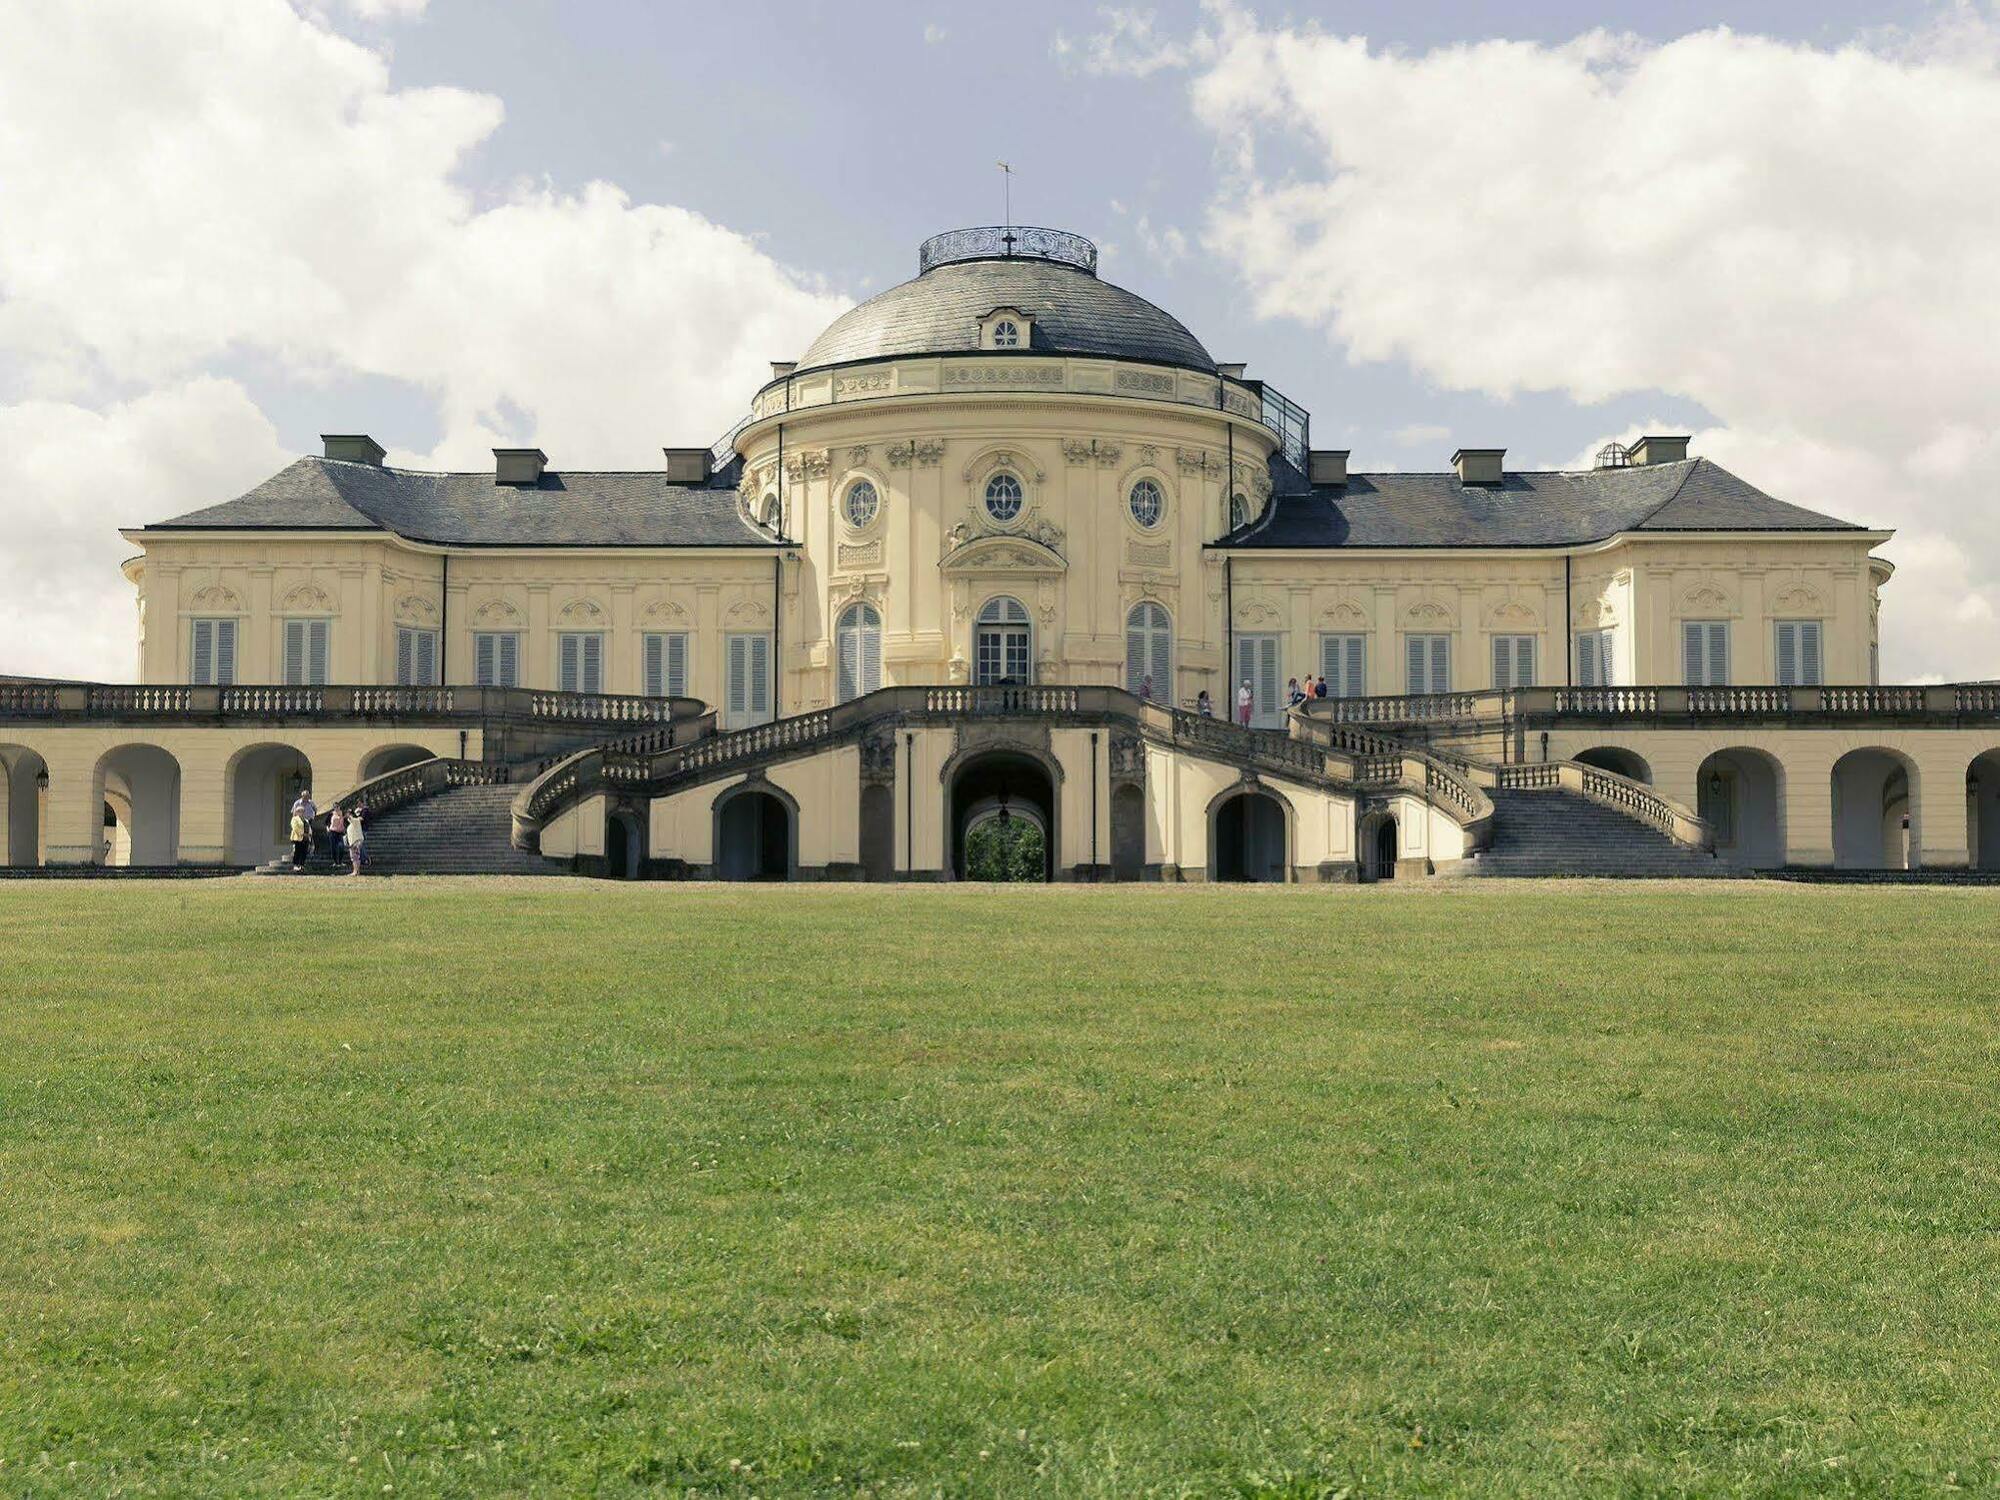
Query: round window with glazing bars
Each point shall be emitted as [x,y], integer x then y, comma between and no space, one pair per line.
[1003,497]
[862,504]
[1148,502]
[1006,335]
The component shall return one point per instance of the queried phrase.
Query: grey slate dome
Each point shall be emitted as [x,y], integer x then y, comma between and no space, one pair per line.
[968,273]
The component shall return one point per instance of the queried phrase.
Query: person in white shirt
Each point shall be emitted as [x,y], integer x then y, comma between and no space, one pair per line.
[1244,699]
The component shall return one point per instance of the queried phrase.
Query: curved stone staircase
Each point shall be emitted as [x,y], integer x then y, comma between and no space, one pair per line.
[1553,833]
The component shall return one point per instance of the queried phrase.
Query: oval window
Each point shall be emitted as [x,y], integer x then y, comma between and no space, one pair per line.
[1003,497]
[1148,503]
[862,504]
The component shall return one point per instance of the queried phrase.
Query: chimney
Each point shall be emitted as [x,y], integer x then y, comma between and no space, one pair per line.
[1654,449]
[688,465]
[1327,466]
[1478,465]
[520,466]
[780,368]
[354,447]
[1231,372]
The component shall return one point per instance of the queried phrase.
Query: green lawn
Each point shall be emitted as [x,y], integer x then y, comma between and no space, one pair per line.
[556,1187]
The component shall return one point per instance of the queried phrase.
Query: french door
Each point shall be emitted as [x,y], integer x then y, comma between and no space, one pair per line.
[1257,663]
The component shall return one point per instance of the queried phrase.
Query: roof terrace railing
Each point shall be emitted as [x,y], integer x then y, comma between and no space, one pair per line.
[1007,242]
[60,702]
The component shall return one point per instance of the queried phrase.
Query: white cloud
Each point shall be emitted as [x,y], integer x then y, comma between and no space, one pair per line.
[1419,434]
[183,182]
[934,33]
[65,611]
[1804,241]
[1131,45]
[1166,245]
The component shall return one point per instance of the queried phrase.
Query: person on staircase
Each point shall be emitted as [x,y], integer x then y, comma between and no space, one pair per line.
[1204,705]
[357,832]
[301,840]
[336,833]
[1245,699]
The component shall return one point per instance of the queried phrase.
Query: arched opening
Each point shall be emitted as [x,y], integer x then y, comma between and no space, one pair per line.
[624,845]
[1149,653]
[391,758]
[755,835]
[1874,823]
[878,832]
[24,791]
[141,786]
[1739,793]
[260,785]
[1982,811]
[1128,832]
[1618,761]
[858,651]
[1003,643]
[1007,788]
[1380,846]
[1247,837]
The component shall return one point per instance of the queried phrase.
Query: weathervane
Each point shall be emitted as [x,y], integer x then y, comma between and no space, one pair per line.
[1007,205]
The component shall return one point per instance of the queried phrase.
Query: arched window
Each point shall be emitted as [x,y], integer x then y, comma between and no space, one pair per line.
[861,504]
[1148,502]
[1149,649]
[858,648]
[1003,498]
[1002,643]
[768,513]
[1239,512]
[1006,335]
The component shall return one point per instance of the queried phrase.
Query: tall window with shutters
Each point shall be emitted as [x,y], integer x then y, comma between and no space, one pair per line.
[580,661]
[496,658]
[1257,664]
[1343,662]
[1593,659]
[1705,653]
[1149,652]
[1513,661]
[416,657]
[306,652]
[1426,663]
[1798,653]
[666,664]
[747,689]
[212,653]
[857,638]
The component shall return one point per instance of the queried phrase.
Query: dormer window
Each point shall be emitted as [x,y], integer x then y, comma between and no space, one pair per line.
[1006,328]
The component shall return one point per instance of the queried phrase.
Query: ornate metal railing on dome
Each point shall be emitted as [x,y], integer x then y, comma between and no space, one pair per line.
[1007,242]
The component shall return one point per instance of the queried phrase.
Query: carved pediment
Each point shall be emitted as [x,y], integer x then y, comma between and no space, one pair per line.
[746,612]
[1800,599]
[582,613]
[1704,598]
[497,612]
[216,599]
[1346,615]
[415,609]
[306,599]
[1512,612]
[663,614]
[1002,554]
[1428,612]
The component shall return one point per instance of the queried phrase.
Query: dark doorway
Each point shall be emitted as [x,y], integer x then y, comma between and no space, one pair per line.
[624,846]
[1249,838]
[1382,851]
[1128,833]
[753,838]
[878,832]
[1002,784]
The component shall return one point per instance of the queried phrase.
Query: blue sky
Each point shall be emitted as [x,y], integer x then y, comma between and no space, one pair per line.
[227,226]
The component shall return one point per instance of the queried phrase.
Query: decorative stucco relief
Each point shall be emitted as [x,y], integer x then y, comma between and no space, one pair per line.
[415,609]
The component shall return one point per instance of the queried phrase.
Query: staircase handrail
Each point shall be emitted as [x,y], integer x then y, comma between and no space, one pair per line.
[1623,794]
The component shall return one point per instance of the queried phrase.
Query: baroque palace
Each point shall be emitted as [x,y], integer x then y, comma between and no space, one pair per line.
[991,549]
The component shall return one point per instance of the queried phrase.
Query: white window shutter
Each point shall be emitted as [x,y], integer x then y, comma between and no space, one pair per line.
[567,668]
[406,657]
[1809,668]
[202,668]
[1267,685]
[760,676]
[677,671]
[316,651]
[848,643]
[1718,654]
[593,664]
[1135,652]
[1357,666]
[1691,644]
[1586,659]
[1503,661]
[1788,654]
[427,666]
[295,651]
[739,677]
[482,660]
[1413,676]
[871,654]
[1440,663]
[508,661]
[656,666]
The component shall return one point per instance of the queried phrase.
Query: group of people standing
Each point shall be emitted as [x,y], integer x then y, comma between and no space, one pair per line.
[1296,692]
[346,833]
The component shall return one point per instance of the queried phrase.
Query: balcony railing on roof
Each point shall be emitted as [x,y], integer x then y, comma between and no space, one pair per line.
[1007,242]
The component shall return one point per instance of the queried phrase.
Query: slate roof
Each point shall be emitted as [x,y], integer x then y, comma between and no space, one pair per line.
[1528,509]
[567,509]
[1073,312]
